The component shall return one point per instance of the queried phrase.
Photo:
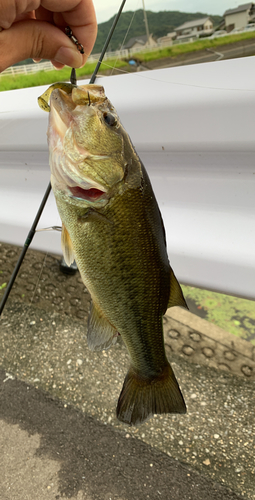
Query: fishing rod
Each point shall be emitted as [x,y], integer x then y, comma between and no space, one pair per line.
[73,80]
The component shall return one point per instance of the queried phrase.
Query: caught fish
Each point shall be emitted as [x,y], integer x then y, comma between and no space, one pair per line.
[113,228]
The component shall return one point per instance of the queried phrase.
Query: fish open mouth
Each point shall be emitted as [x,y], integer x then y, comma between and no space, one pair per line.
[91,194]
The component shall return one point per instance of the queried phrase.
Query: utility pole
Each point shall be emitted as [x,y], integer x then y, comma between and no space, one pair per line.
[146,24]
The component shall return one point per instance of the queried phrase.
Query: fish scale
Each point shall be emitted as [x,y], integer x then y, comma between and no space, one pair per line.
[119,279]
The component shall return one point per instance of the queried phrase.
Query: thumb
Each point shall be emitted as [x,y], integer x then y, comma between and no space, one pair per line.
[38,40]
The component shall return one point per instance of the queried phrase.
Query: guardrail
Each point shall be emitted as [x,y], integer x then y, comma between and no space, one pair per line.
[48,66]
[27,69]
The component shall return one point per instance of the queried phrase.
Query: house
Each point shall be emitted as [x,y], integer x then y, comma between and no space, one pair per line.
[240,16]
[140,42]
[195,29]
[167,39]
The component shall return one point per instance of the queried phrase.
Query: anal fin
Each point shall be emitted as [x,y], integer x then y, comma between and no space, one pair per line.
[67,247]
[176,297]
[101,334]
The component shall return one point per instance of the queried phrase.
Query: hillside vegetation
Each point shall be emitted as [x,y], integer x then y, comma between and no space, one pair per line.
[160,23]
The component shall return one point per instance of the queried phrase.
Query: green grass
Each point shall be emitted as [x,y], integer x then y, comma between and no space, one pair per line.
[185,48]
[233,314]
[11,82]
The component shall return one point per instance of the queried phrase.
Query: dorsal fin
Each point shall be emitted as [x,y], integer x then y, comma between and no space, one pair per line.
[176,297]
[67,247]
[101,335]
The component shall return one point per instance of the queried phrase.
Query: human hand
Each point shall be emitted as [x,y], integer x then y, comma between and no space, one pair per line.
[36,29]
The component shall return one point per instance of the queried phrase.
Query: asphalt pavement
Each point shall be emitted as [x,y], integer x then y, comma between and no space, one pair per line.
[59,434]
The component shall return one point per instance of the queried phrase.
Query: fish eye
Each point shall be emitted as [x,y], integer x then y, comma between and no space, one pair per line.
[109,119]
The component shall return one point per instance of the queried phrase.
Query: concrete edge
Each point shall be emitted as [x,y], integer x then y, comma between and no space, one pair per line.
[212,331]
[203,343]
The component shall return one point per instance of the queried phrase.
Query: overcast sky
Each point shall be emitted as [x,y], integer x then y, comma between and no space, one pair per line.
[105,9]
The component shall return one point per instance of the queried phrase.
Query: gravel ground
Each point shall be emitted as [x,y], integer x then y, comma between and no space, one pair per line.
[216,437]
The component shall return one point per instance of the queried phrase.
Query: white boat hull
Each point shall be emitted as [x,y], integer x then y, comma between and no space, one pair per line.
[194,129]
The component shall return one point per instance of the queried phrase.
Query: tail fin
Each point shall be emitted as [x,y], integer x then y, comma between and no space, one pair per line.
[142,397]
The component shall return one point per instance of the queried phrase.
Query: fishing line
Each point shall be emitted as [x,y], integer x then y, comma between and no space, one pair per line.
[139,75]
[124,39]
[191,84]
[130,24]
[48,190]
[108,39]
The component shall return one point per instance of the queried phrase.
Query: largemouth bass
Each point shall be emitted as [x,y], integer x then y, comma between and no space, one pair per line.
[113,228]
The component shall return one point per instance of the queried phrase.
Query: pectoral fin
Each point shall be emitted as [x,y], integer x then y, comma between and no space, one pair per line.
[101,335]
[67,247]
[176,297]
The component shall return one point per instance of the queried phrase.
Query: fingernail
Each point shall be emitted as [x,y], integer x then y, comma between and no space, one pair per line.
[70,57]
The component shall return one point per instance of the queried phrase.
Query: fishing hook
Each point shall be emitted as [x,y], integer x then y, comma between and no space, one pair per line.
[73,78]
